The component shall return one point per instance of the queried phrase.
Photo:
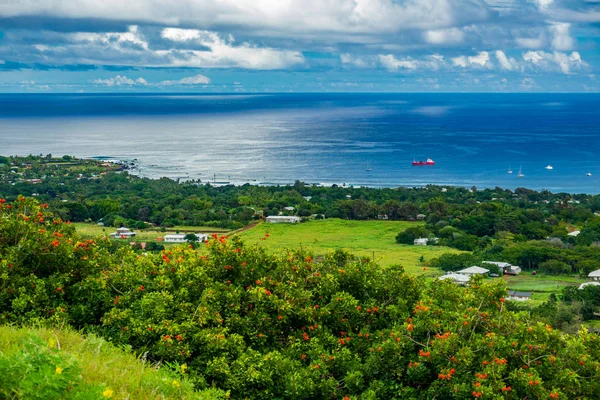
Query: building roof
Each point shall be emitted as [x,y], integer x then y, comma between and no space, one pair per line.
[474,270]
[283,217]
[594,274]
[574,233]
[500,264]
[455,277]
[519,294]
[583,285]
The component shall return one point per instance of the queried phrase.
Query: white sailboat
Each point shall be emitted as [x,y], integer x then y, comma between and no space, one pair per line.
[368,169]
[588,174]
[549,167]
[509,170]
[520,174]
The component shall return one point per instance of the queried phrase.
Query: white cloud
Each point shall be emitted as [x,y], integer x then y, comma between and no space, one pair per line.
[507,63]
[141,81]
[444,36]
[221,53]
[116,81]
[543,4]
[527,83]
[565,63]
[131,37]
[561,39]
[430,62]
[273,17]
[356,61]
[530,43]
[191,80]
[482,59]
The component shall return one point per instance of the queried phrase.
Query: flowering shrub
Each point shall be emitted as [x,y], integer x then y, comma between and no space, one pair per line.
[286,326]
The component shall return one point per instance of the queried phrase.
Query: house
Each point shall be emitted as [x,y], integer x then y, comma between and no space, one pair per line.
[456,278]
[421,217]
[307,198]
[421,242]
[282,219]
[474,270]
[507,269]
[584,285]
[180,238]
[122,233]
[519,296]
[594,275]
[574,233]
[290,208]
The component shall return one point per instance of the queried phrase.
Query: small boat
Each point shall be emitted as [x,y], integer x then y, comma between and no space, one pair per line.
[549,167]
[509,170]
[368,169]
[429,161]
[520,174]
[588,174]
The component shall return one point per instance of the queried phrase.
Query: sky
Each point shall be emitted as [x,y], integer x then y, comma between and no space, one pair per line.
[299,46]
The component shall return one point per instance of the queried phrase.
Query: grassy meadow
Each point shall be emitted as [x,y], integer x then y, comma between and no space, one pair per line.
[91,231]
[363,238]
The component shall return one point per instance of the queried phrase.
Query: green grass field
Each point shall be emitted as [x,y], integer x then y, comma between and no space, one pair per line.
[91,231]
[363,238]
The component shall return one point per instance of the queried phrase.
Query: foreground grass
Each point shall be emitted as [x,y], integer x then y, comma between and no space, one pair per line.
[362,238]
[102,365]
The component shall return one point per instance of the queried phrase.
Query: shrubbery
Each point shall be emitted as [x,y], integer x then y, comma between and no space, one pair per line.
[288,326]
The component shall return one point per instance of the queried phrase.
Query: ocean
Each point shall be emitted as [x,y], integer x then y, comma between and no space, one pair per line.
[352,139]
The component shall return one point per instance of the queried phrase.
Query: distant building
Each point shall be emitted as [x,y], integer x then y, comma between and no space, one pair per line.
[282,219]
[180,237]
[519,296]
[421,242]
[584,285]
[506,268]
[594,275]
[456,278]
[421,217]
[574,233]
[122,233]
[474,270]
[290,208]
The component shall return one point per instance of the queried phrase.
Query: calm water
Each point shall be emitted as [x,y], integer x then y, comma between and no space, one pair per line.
[323,138]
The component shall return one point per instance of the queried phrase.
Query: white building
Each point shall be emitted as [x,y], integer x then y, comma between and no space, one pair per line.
[519,296]
[506,268]
[122,233]
[584,285]
[574,233]
[282,219]
[456,278]
[474,270]
[180,237]
[421,242]
[594,275]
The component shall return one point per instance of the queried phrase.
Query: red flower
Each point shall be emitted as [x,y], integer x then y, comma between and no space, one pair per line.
[55,243]
[59,289]
[141,288]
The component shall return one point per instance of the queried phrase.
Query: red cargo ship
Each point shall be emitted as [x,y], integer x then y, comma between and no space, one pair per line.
[429,161]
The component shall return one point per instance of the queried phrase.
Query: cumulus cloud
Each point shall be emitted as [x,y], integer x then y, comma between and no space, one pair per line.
[391,63]
[565,63]
[444,36]
[507,63]
[116,81]
[481,59]
[191,80]
[561,38]
[530,43]
[356,61]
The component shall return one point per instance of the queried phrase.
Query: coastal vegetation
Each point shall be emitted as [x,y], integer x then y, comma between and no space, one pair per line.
[249,323]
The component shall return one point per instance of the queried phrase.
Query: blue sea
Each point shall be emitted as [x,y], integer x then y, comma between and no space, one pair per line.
[352,139]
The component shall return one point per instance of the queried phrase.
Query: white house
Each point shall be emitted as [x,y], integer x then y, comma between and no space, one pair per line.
[122,233]
[506,268]
[289,208]
[594,275]
[584,285]
[519,296]
[180,238]
[474,270]
[574,233]
[456,278]
[282,219]
[421,242]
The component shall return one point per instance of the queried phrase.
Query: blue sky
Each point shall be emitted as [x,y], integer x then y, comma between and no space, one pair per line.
[299,45]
